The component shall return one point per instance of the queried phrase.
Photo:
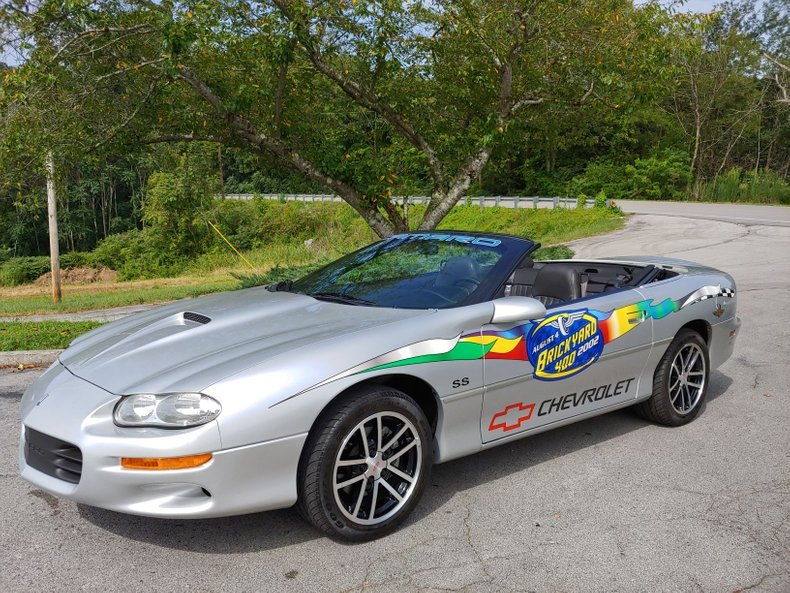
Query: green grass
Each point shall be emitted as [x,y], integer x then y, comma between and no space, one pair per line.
[120,294]
[335,230]
[44,335]
[546,226]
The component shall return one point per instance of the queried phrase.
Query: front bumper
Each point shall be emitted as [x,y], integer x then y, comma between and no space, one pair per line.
[256,477]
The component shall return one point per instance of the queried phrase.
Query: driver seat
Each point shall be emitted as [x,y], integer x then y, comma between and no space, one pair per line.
[557,283]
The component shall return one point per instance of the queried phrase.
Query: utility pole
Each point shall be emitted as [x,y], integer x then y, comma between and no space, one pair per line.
[52,210]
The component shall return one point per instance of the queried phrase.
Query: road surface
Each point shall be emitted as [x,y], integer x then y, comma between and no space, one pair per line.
[609,504]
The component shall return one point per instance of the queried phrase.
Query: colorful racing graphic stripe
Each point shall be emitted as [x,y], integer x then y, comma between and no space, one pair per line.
[558,346]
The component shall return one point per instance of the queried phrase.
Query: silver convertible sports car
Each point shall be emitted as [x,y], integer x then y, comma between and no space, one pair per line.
[338,391]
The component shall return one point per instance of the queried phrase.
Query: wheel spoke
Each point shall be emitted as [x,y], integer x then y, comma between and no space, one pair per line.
[400,473]
[693,357]
[348,482]
[373,499]
[687,374]
[378,432]
[351,462]
[674,385]
[404,450]
[394,439]
[364,440]
[360,498]
[392,490]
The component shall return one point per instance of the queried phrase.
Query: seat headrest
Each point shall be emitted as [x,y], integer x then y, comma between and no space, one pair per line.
[558,282]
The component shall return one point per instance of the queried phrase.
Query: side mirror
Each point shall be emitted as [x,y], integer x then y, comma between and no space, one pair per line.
[517,308]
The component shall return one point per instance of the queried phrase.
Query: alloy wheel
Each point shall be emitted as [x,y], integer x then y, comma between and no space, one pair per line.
[687,378]
[377,468]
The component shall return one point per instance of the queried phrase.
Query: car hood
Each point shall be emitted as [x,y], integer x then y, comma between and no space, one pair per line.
[189,345]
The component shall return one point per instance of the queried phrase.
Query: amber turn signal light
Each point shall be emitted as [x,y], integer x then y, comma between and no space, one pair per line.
[156,463]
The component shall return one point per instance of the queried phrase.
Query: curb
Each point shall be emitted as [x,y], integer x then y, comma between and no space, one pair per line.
[38,358]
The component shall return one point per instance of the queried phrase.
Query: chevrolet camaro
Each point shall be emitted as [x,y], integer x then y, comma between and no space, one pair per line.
[338,391]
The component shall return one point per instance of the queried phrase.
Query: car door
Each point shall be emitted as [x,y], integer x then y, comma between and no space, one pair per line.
[584,356]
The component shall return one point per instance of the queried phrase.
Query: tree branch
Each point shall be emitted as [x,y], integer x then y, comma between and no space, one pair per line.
[245,130]
[126,121]
[135,66]
[363,96]
[191,137]
[96,32]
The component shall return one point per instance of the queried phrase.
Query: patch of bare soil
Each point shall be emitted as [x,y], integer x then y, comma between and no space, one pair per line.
[82,275]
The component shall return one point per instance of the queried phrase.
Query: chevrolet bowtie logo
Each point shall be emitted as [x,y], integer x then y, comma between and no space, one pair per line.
[512,417]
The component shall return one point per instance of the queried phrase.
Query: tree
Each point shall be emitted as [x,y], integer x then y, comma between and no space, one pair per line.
[368,99]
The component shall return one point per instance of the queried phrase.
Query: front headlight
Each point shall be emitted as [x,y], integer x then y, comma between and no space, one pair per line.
[171,410]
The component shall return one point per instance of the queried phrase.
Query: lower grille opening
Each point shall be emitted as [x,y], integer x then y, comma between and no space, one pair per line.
[52,456]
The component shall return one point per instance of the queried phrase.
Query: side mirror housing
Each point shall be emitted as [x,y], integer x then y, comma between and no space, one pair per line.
[517,308]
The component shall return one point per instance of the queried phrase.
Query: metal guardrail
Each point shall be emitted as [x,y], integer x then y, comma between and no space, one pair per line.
[482,201]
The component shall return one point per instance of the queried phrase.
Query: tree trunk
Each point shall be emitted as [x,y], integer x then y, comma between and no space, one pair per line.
[442,202]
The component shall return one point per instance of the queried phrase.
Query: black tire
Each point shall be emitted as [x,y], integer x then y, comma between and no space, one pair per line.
[336,437]
[663,406]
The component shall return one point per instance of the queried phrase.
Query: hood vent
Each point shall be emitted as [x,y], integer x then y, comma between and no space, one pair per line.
[196,317]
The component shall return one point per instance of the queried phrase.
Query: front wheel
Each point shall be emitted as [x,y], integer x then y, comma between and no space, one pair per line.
[365,465]
[681,381]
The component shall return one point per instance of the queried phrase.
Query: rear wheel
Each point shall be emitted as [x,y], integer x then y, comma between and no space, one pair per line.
[365,465]
[680,383]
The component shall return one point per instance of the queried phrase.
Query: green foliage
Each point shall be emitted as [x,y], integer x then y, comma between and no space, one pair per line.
[176,200]
[543,225]
[553,252]
[137,254]
[635,88]
[664,176]
[44,335]
[21,270]
[761,187]
[260,222]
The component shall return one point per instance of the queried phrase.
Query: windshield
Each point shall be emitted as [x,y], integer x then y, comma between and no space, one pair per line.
[418,271]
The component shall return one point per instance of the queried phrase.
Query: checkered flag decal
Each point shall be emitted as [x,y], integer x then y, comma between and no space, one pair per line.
[707,292]
[724,292]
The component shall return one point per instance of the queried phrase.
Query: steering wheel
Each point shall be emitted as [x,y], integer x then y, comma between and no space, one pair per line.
[468,284]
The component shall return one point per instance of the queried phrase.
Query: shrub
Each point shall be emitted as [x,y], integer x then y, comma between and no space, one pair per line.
[665,176]
[21,270]
[553,252]
[74,259]
[763,187]
[137,254]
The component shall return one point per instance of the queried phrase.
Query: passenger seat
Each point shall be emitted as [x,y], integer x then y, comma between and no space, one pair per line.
[557,283]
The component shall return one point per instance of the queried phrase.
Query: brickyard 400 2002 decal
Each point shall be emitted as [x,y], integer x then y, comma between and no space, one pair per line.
[337,392]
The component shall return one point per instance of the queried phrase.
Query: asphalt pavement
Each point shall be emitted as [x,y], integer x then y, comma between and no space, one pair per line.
[609,504]
[748,214]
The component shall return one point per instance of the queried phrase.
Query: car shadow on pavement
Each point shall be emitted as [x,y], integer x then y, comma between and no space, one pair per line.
[276,529]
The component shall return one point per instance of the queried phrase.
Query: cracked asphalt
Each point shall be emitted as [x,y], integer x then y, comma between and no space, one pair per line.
[609,504]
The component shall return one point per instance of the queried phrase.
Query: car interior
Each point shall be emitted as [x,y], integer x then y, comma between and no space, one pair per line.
[555,283]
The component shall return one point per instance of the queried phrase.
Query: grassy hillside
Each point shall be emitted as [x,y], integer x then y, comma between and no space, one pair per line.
[272,235]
